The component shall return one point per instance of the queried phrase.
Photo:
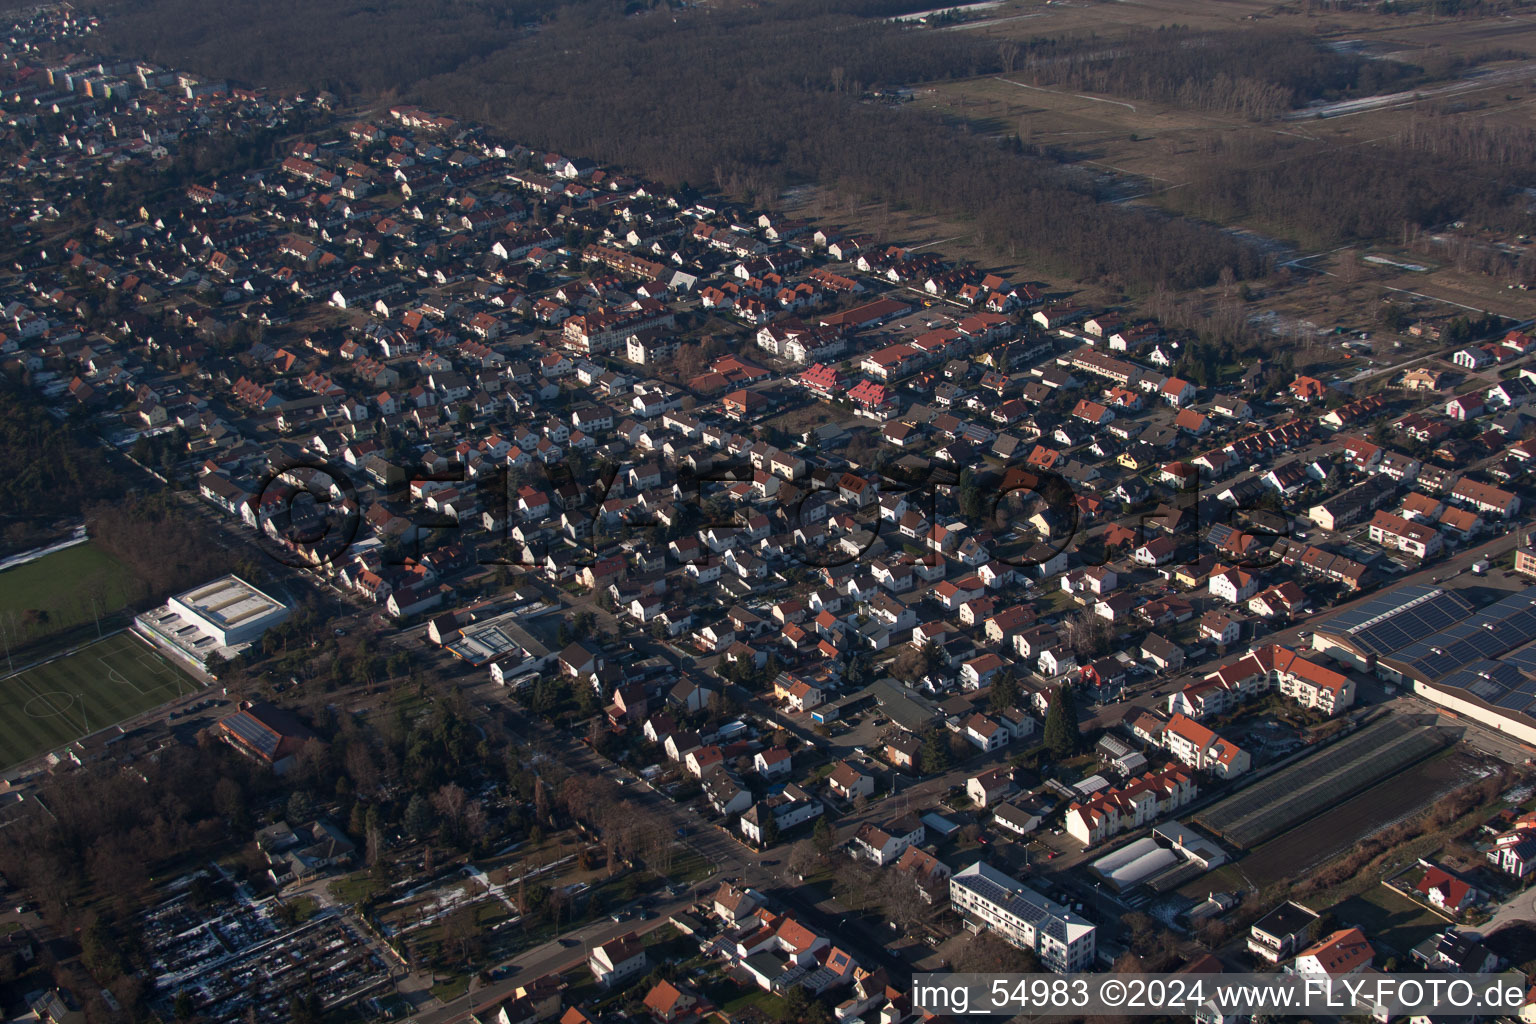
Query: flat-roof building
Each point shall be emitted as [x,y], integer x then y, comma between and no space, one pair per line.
[1281,932]
[987,898]
[502,640]
[223,616]
[1478,662]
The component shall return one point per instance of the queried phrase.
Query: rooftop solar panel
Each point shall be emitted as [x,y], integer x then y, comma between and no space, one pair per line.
[245,726]
[1485,689]
[1514,701]
[1502,684]
[1491,643]
[1379,605]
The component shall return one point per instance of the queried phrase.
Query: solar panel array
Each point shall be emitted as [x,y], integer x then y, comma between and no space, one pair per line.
[1439,637]
[1382,604]
[1496,630]
[987,889]
[257,736]
[1508,684]
[1389,622]
[1036,912]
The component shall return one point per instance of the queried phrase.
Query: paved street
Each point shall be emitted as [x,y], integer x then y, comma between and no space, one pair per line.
[1520,908]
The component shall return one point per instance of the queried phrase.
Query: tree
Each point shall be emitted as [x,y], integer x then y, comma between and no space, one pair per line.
[909,664]
[418,818]
[461,932]
[905,903]
[100,952]
[1127,963]
[796,1002]
[229,801]
[803,857]
[1005,693]
[300,808]
[934,757]
[304,1009]
[770,830]
[1062,735]
[824,836]
[988,954]
[857,884]
[375,837]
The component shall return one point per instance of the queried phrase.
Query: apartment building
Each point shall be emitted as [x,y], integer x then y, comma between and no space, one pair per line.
[1111,811]
[1199,747]
[987,898]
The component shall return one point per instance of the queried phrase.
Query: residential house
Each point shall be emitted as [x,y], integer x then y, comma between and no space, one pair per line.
[1341,954]
[618,960]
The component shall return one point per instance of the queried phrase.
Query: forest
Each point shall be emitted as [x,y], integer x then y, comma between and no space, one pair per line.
[48,469]
[1443,168]
[1258,74]
[758,99]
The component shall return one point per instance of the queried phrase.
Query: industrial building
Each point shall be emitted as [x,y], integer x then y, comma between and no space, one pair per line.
[266,734]
[1168,858]
[1477,662]
[504,642]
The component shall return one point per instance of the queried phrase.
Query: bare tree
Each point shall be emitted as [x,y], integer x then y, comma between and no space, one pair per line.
[906,904]
[461,932]
[803,857]
[1008,54]
[857,885]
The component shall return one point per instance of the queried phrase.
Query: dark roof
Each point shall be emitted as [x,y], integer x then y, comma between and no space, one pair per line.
[1286,919]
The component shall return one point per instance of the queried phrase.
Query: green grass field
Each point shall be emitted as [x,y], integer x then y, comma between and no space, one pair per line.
[59,585]
[46,707]
[1390,919]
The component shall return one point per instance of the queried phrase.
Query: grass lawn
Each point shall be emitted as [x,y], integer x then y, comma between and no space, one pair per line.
[52,704]
[690,868]
[355,888]
[1225,878]
[1395,920]
[770,1006]
[798,421]
[1054,602]
[59,585]
[452,988]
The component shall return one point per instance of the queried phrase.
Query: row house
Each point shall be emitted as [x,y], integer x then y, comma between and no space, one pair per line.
[1486,498]
[1139,802]
[1396,533]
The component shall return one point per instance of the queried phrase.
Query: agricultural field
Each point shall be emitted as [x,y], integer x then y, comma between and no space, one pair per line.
[49,705]
[1328,834]
[1478,70]
[1156,140]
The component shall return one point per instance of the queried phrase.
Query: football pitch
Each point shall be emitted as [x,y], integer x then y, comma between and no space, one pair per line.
[48,706]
